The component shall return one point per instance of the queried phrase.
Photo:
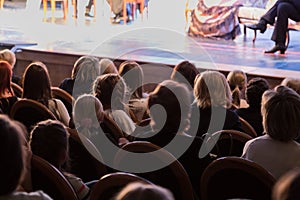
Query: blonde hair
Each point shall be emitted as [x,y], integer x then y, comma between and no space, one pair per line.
[237,81]
[9,56]
[212,89]
[293,83]
[86,69]
[107,66]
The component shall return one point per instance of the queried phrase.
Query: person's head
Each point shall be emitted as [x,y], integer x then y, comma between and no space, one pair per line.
[281,113]
[107,66]
[9,56]
[37,83]
[133,76]
[140,191]
[293,83]
[88,111]
[287,186]
[175,99]
[86,68]
[185,72]
[110,90]
[12,160]
[49,140]
[5,77]
[254,91]
[237,81]
[212,89]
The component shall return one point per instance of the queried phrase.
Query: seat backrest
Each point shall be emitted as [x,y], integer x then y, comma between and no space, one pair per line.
[64,96]
[247,128]
[47,178]
[18,90]
[85,163]
[174,176]
[235,177]
[229,142]
[109,185]
[30,112]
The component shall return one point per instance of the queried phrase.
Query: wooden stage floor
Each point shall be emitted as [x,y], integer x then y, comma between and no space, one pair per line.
[160,38]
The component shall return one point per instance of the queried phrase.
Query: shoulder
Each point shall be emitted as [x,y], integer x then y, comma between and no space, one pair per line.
[38,195]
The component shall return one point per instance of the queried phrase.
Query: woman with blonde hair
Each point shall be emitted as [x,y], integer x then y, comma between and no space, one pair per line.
[237,80]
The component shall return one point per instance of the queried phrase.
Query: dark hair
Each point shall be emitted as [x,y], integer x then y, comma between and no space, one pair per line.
[5,77]
[12,163]
[185,72]
[108,85]
[133,79]
[281,113]
[254,91]
[49,140]
[36,83]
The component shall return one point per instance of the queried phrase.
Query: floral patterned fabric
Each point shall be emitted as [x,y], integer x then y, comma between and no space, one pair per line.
[215,21]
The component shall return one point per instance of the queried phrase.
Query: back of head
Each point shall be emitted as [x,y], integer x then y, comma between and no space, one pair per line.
[5,77]
[287,187]
[86,69]
[9,56]
[254,91]
[107,66]
[110,90]
[175,99]
[212,89]
[12,163]
[237,78]
[133,76]
[37,83]
[281,113]
[139,191]
[49,140]
[293,83]
[185,72]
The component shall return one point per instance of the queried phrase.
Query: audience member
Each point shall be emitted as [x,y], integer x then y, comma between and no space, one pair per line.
[133,75]
[37,86]
[110,89]
[254,91]
[10,57]
[293,83]
[49,140]
[107,66]
[84,73]
[277,151]
[237,80]
[287,187]
[7,96]
[13,163]
[140,191]
[211,110]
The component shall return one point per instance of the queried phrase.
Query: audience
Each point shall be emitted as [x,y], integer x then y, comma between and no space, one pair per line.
[133,75]
[110,89]
[10,57]
[13,163]
[211,110]
[287,187]
[84,73]
[293,83]
[277,151]
[7,96]
[254,91]
[37,86]
[237,80]
[49,140]
[140,191]
[107,66]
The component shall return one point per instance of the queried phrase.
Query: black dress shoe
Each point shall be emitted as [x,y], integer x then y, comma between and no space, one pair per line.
[259,26]
[276,48]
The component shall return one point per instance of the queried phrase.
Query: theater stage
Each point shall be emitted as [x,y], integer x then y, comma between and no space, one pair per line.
[159,38]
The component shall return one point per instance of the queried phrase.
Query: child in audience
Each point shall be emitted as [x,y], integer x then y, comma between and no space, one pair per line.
[277,151]
[254,91]
[37,86]
[237,80]
[140,191]
[49,140]
[7,96]
[13,163]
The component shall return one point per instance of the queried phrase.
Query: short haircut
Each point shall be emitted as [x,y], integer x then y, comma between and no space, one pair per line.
[140,191]
[9,56]
[12,161]
[254,91]
[281,113]
[185,72]
[293,83]
[212,89]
